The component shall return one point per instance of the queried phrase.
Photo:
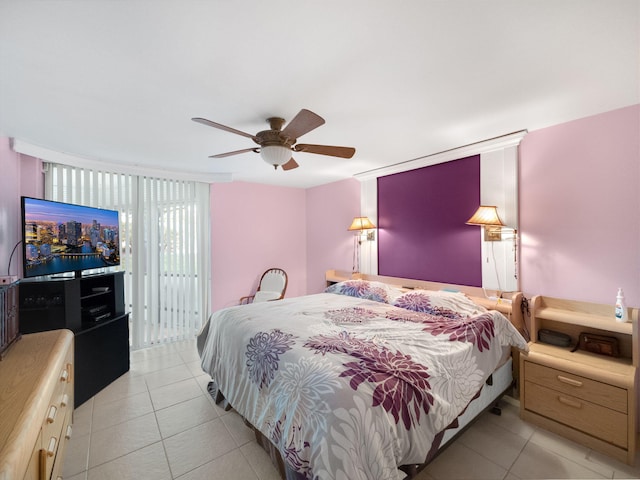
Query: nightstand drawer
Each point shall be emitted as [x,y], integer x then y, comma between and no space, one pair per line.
[584,388]
[596,420]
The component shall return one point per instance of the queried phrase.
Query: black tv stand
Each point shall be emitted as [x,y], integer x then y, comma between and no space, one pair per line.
[92,307]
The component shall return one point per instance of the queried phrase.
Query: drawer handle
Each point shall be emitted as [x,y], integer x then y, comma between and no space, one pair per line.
[69,432]
[51,417]
[65,400]
[570,381]
[64,375]
[569,402]
[51,450]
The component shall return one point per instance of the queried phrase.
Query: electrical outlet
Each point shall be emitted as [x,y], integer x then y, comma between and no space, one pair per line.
[8,279]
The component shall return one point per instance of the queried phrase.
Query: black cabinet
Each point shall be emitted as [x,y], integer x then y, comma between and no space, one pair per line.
[92,308]
[49,305]
[101,356]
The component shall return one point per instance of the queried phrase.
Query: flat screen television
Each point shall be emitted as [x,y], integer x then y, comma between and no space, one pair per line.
[62,237]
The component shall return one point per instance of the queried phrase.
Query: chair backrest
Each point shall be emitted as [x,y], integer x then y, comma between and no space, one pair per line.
[273,285]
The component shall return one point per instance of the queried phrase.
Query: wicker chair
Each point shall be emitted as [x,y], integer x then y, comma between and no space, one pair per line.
[272,286]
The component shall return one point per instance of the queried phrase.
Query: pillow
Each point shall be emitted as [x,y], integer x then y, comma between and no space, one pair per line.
[376,291]
[443,303]
[265,296]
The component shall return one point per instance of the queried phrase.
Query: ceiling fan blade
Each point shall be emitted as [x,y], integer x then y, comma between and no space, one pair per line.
[343,152]
[290,165]
[209,123]
[235,152]
[302,123]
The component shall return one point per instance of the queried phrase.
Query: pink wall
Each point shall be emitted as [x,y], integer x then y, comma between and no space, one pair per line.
[330,210]
[580,208]
[20,175]
[254,227]
[9,206]
[31,177]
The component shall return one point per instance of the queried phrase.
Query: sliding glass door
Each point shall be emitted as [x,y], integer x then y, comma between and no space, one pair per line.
[164,245]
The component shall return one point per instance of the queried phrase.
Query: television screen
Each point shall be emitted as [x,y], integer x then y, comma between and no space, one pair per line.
[61,237]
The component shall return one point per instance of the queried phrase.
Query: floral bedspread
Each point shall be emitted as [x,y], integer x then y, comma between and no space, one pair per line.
[349,388]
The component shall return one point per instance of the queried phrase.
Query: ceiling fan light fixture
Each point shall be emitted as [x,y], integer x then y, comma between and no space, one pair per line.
[275,154]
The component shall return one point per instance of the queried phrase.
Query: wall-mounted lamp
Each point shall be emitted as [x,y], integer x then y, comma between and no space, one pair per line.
[487,217]
[362,224]
[359,225]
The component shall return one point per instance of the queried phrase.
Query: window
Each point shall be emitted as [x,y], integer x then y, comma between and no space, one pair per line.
[165,245]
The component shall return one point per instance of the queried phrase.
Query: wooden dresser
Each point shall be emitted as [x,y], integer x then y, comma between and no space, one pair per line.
[589,398]
[36,405]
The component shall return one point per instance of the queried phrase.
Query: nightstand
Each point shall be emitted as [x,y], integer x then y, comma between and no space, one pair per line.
[586,397]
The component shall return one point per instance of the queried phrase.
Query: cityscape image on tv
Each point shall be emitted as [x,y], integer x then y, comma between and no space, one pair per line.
[62,237]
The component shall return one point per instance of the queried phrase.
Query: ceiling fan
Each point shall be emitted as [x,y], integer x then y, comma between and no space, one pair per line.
[276,144]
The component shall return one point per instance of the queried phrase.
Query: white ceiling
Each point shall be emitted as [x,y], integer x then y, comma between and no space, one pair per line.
[118,81]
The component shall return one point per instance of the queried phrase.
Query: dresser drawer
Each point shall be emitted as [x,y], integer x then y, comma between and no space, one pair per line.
[601,422]
[58,417]
[53,465]
[53,442]
[33,469]
[584,388]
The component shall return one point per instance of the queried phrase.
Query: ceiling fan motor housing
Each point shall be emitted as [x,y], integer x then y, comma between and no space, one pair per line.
[268,138]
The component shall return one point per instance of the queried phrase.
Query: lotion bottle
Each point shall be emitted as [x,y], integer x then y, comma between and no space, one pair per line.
[621,309]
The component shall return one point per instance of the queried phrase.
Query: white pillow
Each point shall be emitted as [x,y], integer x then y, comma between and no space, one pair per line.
[265,296]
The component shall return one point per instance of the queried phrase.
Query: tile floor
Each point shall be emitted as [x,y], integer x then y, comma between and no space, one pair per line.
[158,422]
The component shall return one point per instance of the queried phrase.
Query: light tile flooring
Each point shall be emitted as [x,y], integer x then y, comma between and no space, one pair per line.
[158,422]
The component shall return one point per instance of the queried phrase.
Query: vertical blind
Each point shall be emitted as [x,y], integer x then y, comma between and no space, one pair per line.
[164,245]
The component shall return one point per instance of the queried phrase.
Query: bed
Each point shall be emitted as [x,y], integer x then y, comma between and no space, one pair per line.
[364,381]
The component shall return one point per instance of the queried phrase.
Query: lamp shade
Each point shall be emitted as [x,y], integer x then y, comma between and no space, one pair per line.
[486,215]
[275,154]
[361,223]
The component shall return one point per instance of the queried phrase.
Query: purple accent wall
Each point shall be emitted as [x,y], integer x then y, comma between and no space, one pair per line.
[421,223]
